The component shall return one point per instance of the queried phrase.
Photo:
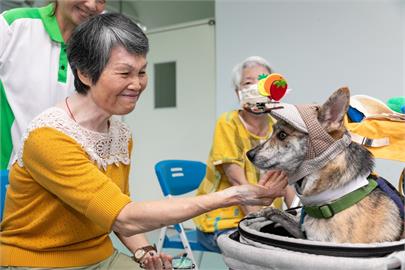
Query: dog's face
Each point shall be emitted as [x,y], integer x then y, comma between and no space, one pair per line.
[284,150]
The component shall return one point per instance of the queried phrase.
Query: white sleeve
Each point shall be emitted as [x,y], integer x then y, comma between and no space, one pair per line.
[5,37]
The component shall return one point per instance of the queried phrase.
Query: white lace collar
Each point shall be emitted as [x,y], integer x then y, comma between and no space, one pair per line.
[103,148]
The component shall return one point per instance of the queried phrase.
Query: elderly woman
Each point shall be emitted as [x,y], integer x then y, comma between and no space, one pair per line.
[69,187]
[236,132]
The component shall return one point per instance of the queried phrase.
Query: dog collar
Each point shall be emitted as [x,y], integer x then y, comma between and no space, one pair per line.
[332,194]
[329,210]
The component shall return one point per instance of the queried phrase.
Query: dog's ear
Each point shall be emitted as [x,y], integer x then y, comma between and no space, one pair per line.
[332,112]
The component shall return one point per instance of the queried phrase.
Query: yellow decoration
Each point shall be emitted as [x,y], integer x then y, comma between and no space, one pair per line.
[260,85]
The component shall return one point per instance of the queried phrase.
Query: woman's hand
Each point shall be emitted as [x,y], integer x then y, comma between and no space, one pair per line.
[270,186]
[276,181]
[153,261]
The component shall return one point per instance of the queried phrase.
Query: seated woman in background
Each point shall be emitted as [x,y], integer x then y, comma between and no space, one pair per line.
[236,132]
[69,187]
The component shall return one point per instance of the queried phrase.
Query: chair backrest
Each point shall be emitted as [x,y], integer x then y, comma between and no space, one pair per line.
[3,189]
[178,177]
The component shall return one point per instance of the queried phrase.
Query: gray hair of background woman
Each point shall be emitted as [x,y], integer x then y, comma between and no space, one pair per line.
[89,47]
[248,62]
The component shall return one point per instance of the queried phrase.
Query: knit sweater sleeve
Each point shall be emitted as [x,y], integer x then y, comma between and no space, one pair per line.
[60,165]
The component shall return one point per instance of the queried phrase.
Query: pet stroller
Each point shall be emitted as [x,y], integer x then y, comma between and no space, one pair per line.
[260,243]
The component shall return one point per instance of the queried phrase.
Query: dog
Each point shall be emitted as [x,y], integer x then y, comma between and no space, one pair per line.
[321,166]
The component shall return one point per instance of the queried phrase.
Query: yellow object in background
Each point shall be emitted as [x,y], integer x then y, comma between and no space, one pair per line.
[382,130]
[260,85]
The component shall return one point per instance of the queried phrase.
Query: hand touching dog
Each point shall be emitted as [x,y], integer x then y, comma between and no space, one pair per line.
[275,181]
[270,186]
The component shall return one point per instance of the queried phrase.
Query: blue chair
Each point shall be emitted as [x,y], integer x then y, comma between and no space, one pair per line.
[3,189]
[177,177]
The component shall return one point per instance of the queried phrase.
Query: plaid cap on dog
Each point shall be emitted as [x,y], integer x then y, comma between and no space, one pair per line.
[322,148]
[290,114]
[305,119]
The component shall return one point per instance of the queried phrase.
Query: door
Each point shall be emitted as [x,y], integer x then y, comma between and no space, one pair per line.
[180,132]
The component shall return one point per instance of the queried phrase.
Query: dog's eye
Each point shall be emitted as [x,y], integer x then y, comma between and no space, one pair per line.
[281,135]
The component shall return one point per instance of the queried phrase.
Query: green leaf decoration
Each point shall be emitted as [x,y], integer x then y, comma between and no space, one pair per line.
[262,76]
[280,83]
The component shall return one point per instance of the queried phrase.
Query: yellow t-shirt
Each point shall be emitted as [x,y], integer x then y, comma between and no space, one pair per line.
[60,206]
[230,144]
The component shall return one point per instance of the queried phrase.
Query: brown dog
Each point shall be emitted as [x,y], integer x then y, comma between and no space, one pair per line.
[312,145]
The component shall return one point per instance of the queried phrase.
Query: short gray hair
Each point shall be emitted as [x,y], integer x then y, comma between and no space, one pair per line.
[89,47]
[248,62]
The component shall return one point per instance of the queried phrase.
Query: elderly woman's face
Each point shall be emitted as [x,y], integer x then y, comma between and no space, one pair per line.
[250,75]
[121,82]
[77,11]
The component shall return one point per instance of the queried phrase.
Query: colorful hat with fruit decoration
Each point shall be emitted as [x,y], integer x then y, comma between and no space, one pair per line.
[273,86]
[265,95]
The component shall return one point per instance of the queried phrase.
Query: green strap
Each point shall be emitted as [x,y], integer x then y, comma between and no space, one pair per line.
[329,210]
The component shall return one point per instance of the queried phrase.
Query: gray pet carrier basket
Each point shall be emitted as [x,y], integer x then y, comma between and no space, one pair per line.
[260,244]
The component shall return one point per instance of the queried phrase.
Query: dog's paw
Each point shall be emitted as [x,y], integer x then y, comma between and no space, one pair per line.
[264,212]
[288,221]
[269,212]
[255,214]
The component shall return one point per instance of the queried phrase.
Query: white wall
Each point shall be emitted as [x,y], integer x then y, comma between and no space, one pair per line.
[318,46]
[184,131]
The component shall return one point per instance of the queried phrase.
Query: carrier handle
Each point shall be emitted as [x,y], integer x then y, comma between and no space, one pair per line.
[401,185]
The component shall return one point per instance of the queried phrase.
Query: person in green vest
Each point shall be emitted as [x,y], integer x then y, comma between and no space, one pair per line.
[34,71]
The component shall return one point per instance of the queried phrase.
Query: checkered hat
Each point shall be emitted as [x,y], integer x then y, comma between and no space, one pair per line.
[322,148]
[305,119]
[291,115]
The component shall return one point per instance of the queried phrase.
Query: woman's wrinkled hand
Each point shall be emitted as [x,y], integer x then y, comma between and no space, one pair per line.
[276,181]
[153,261]
[270,186]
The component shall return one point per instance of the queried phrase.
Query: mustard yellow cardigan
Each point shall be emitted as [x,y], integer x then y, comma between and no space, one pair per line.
[60,206]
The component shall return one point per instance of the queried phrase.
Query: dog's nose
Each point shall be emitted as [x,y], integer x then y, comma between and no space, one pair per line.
[251,154]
